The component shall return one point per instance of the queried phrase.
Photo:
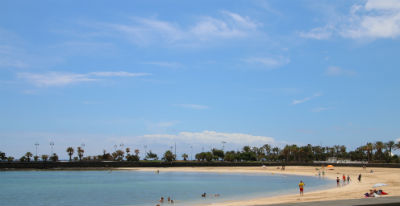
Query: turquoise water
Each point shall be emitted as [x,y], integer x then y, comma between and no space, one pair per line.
[104,188]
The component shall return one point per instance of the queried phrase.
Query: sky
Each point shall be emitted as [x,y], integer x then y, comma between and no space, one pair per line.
[201,74]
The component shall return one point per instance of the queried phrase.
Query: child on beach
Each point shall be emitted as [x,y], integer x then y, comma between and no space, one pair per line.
[301,187]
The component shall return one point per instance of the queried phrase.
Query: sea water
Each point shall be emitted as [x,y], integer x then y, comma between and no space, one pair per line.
[106,188]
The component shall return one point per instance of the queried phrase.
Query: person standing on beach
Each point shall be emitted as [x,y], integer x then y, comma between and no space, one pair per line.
[337,181]
[359,178]
[348,179]
[301,187]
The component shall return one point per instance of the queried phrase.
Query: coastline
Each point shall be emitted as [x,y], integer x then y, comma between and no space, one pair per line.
[354,190]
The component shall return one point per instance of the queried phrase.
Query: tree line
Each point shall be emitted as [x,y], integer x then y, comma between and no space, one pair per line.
[380,152]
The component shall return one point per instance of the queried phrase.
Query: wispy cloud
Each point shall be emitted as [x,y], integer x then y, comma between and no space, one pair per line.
[148,31]
[268,62]
[318,33]
[193,106]
[370,20]
[164,64]
[306,99]
[11,57]
[62,79]
[337,71]
[118,74]
[320,109]
[211,137]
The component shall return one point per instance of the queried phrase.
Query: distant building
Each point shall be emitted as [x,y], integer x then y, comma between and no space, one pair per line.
[335,160]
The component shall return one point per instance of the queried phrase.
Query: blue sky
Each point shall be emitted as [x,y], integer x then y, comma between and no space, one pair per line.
[197,73]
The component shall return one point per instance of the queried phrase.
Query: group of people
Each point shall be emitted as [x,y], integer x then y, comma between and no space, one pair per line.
[170,201]
[375,193]
[345,180]
[205,195]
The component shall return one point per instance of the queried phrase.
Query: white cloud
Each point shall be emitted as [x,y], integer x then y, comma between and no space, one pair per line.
[372,20]
[268,61]
[145,31]
[318,33]
[164,64]
[306,99]
[62,79]
[320,109]
[54,79]
[211,137]
[10,57]
[193,106]
[118,74]
[337,71]
[382,4]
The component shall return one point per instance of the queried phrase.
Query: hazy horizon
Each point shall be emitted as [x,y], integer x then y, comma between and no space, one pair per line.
[157,73]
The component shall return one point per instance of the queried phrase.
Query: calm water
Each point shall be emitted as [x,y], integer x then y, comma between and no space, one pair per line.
[140,188]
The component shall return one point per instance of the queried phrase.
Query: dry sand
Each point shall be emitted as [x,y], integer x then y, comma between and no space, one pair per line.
[354,190]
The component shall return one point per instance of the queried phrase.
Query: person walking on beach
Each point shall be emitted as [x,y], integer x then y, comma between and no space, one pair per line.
[359,178]
[337,181]
[348,179]
[301,187]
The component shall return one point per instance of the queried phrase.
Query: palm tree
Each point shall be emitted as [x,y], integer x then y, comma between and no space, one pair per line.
[185,156]
[70,152]
[45,157]
[127,150]
[379,146]
[28,156]
[390,146]
[267,149]
[369,147]
[169,156]
[80,152]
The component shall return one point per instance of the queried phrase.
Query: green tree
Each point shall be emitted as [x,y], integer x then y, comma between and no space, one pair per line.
[185,156]
[390,147]
[134,158]
[379,147]
[152,156]
[229,156]
[23,159]
[168,156]
[80,152]
[209,156]
[3,156]
[28,156]
[35,158]
[45,157]
[267,150]
[70,152]
[54,157]
[10,159]
[118,155]
[218,154]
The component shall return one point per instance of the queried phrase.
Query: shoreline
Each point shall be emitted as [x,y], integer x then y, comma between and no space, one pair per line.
[353,190]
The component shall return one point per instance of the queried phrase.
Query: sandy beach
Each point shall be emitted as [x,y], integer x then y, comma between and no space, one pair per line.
[353,190]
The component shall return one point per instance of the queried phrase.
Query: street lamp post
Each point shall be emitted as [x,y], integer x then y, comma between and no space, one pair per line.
[51,145]
[36,145]
[145,151]
[191,153]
